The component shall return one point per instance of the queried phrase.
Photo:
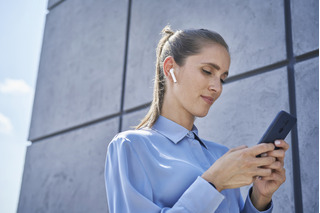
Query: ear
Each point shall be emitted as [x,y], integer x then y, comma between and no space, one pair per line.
[168,64]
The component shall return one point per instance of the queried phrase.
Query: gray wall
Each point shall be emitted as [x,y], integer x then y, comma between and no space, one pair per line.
[95,79]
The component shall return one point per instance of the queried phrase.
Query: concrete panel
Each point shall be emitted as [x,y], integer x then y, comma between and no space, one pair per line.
[131,120]
[254,31]
[80,71]
[307,93]
[65,173]
[242,114]
[305,25]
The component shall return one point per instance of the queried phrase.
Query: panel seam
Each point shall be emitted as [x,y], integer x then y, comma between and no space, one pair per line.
[55,5]
[293,109]
[123,88]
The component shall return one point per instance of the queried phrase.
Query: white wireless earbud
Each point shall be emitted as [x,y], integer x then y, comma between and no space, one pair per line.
[173,76]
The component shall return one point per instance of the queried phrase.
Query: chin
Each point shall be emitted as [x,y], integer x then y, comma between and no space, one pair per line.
[201,114]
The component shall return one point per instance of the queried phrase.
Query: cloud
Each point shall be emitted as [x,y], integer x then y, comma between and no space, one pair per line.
[15,86]
[5,125]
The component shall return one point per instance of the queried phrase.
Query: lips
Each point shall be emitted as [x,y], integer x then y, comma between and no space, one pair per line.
[208,99]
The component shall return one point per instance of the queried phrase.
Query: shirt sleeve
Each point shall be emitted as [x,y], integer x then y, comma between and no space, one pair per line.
[129,189]
[249,208]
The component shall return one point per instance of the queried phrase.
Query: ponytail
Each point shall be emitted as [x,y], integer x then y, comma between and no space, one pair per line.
[159,81]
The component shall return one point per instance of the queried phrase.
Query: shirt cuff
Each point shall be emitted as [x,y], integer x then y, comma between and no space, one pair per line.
[200,197]
[249,207]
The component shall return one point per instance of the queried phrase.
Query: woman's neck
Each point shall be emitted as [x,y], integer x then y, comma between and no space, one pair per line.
[180,117]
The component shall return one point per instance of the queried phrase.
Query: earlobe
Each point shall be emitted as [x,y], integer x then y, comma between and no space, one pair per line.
[173,76]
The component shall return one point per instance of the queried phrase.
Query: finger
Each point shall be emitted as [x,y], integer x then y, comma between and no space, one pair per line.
[278,176]
[275,172]
[238,148]
[281,144]
[278,153]
[261,148]
[264,161]
[277,165]
[261,172]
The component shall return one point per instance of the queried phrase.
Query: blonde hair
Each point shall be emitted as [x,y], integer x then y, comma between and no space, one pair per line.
[179,45]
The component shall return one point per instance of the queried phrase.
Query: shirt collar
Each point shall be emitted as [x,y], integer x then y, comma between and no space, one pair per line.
[172,130]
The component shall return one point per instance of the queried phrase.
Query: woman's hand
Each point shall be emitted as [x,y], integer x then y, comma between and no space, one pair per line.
[239,167]
[264,187]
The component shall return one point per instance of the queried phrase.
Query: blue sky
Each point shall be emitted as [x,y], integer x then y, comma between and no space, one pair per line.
[22,24]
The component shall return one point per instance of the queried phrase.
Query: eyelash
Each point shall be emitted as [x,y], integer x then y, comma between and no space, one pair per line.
[209,73]
[206,72]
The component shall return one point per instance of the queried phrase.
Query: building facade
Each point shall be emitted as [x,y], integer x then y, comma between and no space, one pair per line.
[95,79]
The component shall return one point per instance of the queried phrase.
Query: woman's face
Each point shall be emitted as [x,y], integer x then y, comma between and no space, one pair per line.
[199,80]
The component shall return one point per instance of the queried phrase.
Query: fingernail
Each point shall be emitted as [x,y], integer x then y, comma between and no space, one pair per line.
[264,155]
[277,142]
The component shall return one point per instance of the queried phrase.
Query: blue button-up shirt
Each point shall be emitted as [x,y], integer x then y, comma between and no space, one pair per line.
[159,169]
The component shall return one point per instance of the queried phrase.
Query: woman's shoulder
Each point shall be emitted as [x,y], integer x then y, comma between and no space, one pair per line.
[134,134]
[130,136]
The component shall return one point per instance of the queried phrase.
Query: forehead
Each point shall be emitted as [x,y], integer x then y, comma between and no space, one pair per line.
[211,53]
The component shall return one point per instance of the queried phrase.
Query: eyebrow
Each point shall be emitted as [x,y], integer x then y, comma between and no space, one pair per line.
[217,67]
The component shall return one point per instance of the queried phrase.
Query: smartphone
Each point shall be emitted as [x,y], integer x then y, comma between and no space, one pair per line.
[279,128]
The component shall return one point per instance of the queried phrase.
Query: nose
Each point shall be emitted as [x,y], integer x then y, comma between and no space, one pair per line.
[215,85]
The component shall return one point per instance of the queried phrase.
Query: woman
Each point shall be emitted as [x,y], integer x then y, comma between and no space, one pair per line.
[163,166]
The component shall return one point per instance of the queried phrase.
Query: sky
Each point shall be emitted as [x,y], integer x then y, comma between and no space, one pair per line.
[22,25]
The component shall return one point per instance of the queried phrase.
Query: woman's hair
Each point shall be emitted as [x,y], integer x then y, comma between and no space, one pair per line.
[179,45]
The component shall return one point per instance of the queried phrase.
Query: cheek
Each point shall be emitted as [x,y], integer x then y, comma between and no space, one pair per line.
[186,93]
[191,85]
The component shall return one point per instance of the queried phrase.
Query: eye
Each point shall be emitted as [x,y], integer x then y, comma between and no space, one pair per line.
[206,72]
